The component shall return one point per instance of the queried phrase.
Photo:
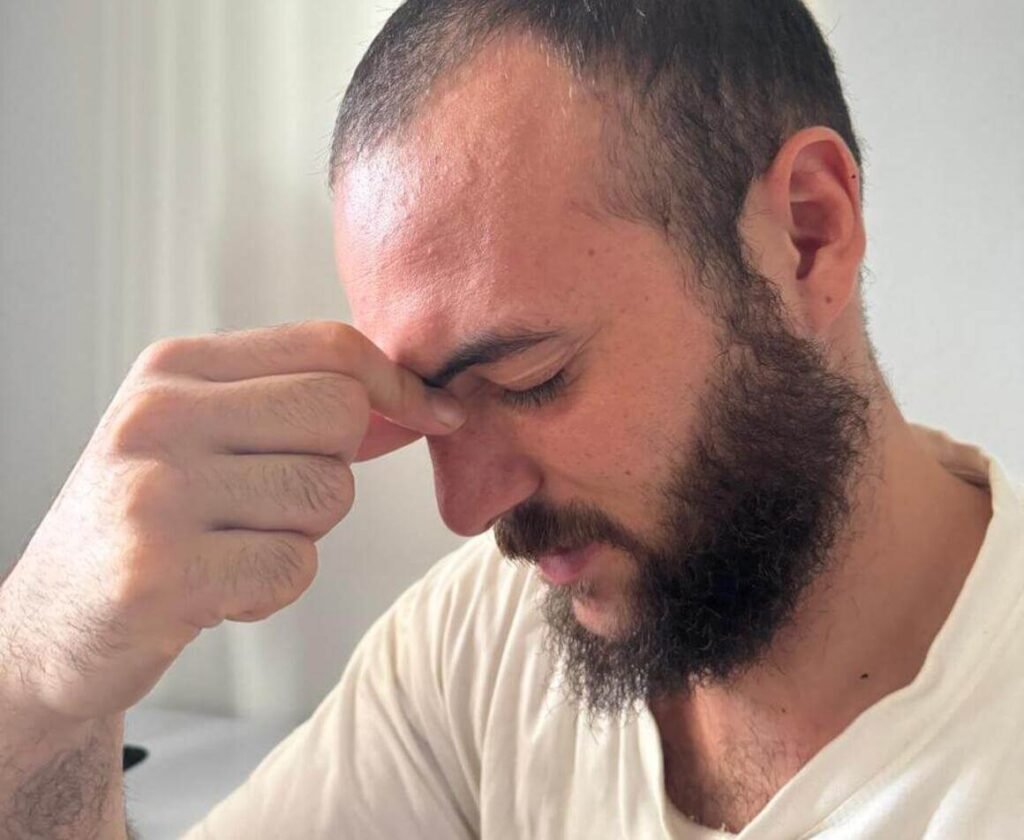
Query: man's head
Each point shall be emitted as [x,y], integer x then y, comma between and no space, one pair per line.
[627,236]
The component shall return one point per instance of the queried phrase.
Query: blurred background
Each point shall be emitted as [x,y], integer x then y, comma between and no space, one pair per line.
[162,172]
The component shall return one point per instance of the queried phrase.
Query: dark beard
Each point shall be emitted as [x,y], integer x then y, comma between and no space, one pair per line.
[754,507]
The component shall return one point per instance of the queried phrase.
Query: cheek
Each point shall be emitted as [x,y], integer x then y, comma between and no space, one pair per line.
[613,446]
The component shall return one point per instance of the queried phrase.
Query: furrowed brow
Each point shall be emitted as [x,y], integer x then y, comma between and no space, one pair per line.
[487,349]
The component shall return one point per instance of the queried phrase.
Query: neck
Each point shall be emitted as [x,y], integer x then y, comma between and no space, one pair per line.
[861,632]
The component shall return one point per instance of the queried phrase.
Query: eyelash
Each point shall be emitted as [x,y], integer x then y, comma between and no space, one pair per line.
[538,395]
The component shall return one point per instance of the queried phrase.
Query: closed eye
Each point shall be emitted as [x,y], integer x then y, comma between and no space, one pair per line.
[538,395]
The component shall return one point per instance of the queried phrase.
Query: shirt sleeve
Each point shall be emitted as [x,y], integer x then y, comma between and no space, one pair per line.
[381,757]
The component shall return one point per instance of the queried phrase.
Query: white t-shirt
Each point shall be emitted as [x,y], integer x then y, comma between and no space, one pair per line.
[445,724]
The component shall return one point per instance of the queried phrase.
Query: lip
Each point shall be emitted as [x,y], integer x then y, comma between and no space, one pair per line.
[564,567]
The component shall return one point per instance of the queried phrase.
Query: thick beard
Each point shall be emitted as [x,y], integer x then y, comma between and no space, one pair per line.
[754,508]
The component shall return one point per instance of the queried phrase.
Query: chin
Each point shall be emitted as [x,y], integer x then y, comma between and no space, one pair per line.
[599,600]
[604,617]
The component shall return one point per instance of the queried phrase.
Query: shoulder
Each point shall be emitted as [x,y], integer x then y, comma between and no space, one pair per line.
[465,639]
[474,576]
[410,714]
[469,604]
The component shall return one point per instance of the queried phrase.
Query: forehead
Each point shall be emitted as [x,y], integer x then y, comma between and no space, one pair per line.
[480,211]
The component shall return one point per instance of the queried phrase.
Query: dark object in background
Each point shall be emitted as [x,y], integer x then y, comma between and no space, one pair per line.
[132,756]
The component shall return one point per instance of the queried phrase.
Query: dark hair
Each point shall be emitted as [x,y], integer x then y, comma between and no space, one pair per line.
[707,92]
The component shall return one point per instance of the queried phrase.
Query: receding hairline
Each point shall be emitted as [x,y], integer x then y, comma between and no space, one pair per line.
[367,135]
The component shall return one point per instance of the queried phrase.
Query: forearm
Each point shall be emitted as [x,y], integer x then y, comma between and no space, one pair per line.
[61,781]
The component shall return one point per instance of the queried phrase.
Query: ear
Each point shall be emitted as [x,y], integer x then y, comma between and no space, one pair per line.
[809,225]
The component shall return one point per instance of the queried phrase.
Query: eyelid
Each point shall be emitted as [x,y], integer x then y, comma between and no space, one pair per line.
[539,394]
[539,373]
[480,376]
[536,377]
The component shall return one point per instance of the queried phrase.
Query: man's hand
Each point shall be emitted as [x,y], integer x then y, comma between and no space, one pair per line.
[219,463]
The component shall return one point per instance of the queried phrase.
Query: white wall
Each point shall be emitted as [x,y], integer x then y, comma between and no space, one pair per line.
[162,173]
[49,90]
[937,94]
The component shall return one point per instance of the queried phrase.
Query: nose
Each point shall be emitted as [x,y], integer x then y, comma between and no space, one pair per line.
[479,474]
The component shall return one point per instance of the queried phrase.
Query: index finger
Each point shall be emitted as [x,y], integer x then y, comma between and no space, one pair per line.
[307,346]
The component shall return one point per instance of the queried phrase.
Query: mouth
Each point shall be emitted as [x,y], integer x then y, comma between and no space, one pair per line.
[565,567]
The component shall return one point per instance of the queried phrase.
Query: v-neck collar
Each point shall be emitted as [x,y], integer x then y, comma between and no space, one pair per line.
[891,731]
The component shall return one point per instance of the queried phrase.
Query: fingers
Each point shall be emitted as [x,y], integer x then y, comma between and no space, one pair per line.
[304,347]
[383,437]
[246,575]
[317,413]
[308,494]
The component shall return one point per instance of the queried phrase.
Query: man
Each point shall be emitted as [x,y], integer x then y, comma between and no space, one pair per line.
[620,242]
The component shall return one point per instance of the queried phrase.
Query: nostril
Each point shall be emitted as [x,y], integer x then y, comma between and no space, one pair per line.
[479,481]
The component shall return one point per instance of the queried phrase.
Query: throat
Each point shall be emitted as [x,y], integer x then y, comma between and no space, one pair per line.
[718,776]
[727,791]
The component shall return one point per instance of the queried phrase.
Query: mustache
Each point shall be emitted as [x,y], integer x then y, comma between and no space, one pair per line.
[535,528]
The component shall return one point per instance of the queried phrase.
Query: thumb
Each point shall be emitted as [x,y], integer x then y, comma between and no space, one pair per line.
[383,436]
[400,395]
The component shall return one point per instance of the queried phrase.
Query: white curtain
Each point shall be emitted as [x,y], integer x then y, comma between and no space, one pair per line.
[216,118]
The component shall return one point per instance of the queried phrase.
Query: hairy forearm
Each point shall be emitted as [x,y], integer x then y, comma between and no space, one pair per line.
[61,781]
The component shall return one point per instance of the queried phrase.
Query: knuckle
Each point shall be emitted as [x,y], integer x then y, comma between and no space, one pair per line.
[284,558]
[290,567]
[307,566]
[327,486]
[343,405]
[338,336]
[145,417]
[161,356]
[142,573]
[151,491]
[340,491]
[132,585]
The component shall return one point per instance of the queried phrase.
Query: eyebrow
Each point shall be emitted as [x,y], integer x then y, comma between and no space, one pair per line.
[485,349]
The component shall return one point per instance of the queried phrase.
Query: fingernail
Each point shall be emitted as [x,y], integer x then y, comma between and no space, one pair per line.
[447,409]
